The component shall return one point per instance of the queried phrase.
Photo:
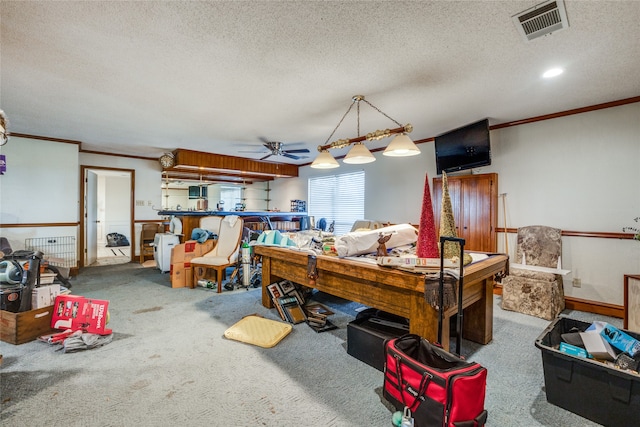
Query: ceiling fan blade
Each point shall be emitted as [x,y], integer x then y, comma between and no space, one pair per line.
[267,156]
[298,150]
[253,151]
[264,140]
[291,156]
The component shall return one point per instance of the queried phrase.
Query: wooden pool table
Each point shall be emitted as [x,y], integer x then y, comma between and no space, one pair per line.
[390,290]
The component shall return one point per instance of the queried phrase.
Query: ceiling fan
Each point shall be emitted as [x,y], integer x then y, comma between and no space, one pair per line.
[276,148]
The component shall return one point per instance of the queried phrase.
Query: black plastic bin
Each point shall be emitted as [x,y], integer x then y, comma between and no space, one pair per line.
[367,334]
[591,389]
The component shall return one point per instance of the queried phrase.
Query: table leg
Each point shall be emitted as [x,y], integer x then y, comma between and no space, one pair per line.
[266,281]
[423,320]
[478,317]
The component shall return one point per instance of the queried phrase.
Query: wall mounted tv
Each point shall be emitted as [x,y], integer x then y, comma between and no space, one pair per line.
[464,148]
[194,191]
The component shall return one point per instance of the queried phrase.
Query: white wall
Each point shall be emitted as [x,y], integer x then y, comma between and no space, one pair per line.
[177,197]
[256,196]
[32,190]
[117,209]
[148,181]
[577,173]
[147,187]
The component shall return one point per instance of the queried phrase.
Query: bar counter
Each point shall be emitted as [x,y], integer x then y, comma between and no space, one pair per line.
[256,220]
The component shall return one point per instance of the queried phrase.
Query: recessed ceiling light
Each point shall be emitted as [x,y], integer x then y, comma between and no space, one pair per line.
[552,73]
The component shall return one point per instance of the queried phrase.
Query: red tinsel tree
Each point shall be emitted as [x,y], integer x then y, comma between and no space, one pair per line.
[427,245]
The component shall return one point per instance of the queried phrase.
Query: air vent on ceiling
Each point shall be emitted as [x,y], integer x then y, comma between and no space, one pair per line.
[542,19]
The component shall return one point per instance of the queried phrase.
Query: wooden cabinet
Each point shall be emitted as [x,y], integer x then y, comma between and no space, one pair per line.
[474,200]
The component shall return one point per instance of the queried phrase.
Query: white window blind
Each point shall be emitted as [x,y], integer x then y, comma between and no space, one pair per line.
[338,198]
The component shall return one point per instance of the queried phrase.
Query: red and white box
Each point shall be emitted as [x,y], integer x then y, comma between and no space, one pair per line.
[80,313]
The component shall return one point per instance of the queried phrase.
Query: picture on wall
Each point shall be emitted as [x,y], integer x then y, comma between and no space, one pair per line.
[632,303]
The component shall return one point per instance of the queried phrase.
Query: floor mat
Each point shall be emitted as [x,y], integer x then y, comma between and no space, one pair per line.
[258,331]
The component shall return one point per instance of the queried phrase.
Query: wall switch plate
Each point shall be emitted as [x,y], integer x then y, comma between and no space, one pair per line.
[577,282]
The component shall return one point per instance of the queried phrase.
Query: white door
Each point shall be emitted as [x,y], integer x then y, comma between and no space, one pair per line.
[91,206]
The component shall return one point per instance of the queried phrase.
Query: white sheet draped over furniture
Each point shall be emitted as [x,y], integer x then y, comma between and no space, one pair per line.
[364,242]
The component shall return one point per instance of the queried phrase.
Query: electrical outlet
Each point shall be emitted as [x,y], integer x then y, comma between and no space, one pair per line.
[149,203]
[577,282]
[139,202]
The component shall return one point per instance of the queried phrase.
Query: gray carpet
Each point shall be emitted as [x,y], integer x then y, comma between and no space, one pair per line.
[170,365]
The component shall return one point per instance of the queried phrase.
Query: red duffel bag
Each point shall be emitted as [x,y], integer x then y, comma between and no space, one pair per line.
[440,388]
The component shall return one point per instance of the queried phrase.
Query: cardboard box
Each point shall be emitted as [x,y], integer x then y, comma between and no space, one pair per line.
[181,256]
[573,350]
[596,345]
[620,340]
[190,249]
[19,328]
[178,275]
[79,313]
[589,388]
[188,277]
[206,247]
[400,261]
[177,253]
[44,296]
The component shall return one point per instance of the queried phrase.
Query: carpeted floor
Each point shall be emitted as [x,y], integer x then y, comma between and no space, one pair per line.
[169,365]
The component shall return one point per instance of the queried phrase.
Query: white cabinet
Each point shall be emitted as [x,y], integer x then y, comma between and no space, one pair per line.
[162,245]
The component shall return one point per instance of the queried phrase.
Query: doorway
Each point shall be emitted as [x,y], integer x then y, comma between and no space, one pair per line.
[107,195]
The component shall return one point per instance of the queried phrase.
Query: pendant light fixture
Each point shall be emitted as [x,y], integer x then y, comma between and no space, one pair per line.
[359,154]
[400,146]
[325,161]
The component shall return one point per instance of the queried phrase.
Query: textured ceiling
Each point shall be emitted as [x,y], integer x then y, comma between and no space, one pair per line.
[145,77]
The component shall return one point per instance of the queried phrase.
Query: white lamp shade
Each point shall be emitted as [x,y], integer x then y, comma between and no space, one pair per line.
[324,161]
[401,146]
[359,154]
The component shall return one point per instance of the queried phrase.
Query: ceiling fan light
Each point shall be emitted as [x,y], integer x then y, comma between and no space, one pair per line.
[359,154]
[324,161]
[401,146]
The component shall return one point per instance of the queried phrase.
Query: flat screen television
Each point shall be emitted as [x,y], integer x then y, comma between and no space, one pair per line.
[464,148]
[194,192]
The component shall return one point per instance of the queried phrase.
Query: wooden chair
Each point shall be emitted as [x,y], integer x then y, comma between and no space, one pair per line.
[223,255]
[147,236]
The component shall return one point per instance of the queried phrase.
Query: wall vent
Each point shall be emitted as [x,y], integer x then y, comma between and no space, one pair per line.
[542,19]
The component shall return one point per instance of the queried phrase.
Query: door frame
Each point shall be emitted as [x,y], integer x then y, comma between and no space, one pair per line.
[83,224]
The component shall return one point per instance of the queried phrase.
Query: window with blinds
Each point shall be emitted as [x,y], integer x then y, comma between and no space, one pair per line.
[338,198]
[230,195]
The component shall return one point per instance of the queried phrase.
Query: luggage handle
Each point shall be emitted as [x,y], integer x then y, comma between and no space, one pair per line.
[461,241]
[424,383]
